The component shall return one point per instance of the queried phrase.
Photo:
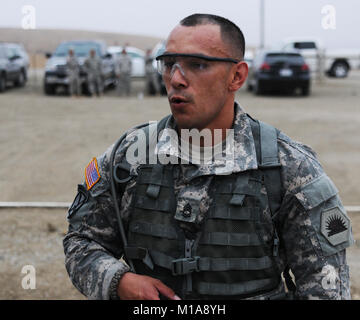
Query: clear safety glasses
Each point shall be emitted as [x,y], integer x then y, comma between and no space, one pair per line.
[188,64]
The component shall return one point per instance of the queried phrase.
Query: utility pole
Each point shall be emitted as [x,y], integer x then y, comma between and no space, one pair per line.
[262,24]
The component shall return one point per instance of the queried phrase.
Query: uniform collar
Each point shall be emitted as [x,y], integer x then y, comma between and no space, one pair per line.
[242,155]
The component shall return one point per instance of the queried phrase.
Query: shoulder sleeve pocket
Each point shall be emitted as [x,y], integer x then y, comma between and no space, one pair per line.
[316,192]
[327,214]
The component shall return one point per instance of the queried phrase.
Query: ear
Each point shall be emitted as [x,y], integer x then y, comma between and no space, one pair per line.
[239,75]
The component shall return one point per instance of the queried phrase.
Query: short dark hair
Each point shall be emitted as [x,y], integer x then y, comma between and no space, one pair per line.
[230,32]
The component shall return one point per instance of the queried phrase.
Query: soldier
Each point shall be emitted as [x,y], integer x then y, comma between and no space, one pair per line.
[152,82]
[123,72]
[73,71]
[92,67]
[219,228]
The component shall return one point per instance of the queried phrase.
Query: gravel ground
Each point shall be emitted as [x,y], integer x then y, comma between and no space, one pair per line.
[47,141]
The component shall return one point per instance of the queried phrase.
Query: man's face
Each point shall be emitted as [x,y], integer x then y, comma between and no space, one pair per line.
[197,100]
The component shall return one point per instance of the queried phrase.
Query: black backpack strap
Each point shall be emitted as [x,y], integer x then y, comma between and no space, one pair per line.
[120,175]
[266,146]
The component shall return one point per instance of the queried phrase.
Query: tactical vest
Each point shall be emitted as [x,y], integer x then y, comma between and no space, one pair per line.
[233,254]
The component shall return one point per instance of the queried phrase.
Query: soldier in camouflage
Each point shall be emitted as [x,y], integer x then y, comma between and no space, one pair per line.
[73,71]
[123,72]
[92,67]
[207,229]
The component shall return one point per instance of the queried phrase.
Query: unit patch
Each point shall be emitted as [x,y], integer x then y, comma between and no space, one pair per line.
[92,174]
[335,226]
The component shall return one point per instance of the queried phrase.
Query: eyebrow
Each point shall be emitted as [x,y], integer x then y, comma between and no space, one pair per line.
[196,55]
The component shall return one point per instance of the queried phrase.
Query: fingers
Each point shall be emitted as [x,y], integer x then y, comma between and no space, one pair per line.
[138,287]
[165,290]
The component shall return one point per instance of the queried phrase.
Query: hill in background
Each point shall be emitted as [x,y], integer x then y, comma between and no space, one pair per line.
[39,41]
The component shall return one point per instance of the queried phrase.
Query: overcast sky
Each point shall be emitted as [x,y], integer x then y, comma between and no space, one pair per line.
[283,18]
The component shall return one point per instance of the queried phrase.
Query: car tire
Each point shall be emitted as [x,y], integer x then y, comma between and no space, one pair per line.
[339,69]
[305,91]
[20,81]
[258,88]
[249,87]
[49,89]
[2,82]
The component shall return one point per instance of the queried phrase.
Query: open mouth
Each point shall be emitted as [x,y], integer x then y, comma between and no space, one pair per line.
[177,99]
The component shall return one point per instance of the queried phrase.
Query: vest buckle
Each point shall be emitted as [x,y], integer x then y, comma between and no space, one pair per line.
[185,266]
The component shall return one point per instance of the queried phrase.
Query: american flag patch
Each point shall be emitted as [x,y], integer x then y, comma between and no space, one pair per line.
[92,174]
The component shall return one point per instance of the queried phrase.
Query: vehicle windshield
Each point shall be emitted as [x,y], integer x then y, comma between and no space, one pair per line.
[80,49]
[276,57]
[131,54]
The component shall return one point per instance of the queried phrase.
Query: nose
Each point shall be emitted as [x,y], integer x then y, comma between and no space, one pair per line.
[177,76]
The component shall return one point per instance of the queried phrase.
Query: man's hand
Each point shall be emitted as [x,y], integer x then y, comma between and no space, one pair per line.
[138,287]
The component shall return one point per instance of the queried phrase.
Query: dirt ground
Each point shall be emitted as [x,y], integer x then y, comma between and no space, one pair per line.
[47,141]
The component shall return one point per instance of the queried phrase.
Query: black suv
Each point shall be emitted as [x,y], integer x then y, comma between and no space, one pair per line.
[55,69]
[277,70]
[14,64]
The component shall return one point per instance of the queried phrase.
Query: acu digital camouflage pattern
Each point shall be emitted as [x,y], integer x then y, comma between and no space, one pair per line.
[93,246]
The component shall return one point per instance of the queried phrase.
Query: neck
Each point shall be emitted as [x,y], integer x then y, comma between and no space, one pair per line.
[223,121]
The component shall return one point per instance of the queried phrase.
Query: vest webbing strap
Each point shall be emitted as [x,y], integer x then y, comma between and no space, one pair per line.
[231,239]
[234,213]
[270,165]
[156,178]
[268,144]
[220,264]
[157,205]
[157,230]
[185,265]
[265,137]
[245,287]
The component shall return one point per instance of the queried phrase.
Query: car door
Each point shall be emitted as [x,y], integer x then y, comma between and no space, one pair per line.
[12,66]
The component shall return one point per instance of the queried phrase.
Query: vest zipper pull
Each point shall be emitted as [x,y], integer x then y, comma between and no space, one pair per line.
[276,244]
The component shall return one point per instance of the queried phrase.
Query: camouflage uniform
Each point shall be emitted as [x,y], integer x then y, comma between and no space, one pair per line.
[93,245]
[92,66]
[73,71]
[123,72]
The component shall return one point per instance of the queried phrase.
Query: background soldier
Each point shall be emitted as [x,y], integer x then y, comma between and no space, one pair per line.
[92,67]
[73,71]
[123,72]
[152,81]
[224,229]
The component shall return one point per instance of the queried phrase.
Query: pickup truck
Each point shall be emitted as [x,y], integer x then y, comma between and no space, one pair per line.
[55,69]
[335,63]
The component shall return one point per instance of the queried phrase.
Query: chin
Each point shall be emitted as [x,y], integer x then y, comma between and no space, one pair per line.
[183,122]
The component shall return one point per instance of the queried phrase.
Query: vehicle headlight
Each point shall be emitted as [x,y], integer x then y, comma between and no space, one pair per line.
[50,66]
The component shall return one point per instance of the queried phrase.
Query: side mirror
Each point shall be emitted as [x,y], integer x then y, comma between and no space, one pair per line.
[13,58]
[48,55]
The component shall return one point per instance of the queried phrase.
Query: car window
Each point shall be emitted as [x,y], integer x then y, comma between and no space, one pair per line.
[305,45]
[81,49]
[131,54]
[10,52]
[16,50]
[291,57]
